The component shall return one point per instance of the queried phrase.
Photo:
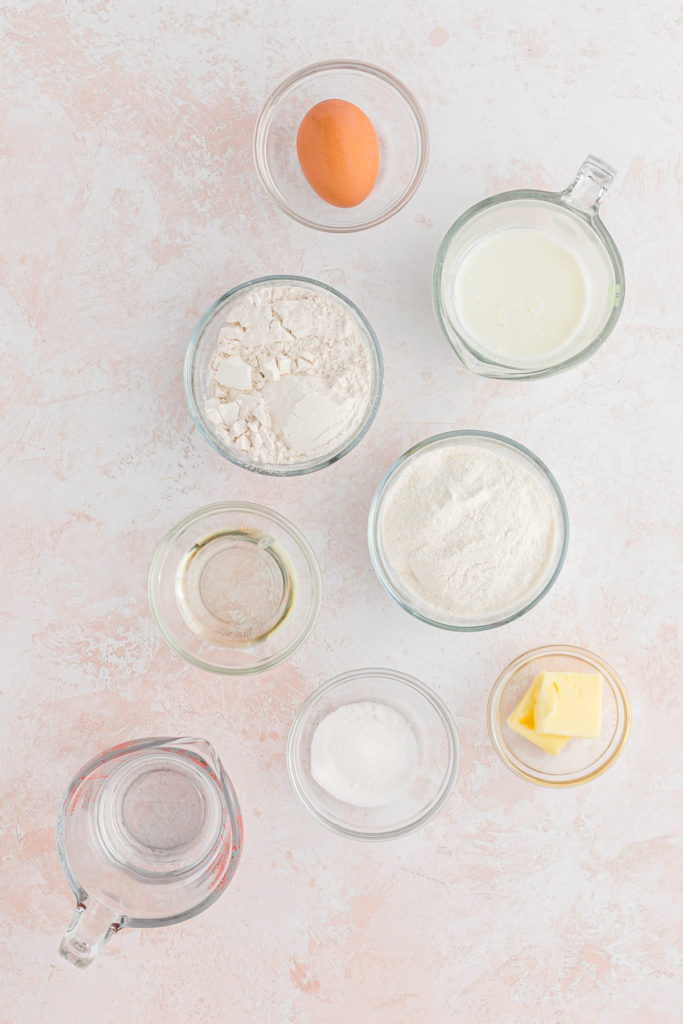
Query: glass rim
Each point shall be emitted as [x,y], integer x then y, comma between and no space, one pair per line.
[373,529]
[450,776]
[285,469]
[602,762]
[263,123]
[303,546]
[484,363]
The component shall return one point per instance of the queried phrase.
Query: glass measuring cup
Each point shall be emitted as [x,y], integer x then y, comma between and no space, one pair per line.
[149,833]
[571,220]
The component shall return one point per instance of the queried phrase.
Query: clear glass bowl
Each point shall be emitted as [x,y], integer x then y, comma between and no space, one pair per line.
[582,759]
[501,446]
[438,744]
[398,122]
[571,218]
[203,345]
[234,588]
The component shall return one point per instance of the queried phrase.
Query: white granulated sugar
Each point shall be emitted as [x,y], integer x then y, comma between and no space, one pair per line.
[468,531]
[365,754]
[291,376]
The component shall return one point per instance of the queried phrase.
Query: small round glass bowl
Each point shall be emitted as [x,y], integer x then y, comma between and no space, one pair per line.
[581,759]
[410,601]
[437,740]
[201,349]
[398,122]
[234,588]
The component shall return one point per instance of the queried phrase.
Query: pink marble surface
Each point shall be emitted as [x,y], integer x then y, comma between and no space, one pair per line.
[129,203]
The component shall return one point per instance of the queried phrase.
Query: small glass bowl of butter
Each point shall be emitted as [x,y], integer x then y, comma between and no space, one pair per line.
[552,760]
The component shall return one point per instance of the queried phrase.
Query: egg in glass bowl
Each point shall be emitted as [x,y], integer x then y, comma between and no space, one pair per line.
[395,119]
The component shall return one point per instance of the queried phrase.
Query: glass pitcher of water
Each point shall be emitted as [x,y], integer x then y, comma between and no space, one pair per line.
[149,833]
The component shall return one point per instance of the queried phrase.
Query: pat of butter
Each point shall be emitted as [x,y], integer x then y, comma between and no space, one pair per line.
[522,721]
[569,703]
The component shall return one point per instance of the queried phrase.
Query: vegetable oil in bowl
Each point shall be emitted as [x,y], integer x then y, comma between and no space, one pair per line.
[235,587]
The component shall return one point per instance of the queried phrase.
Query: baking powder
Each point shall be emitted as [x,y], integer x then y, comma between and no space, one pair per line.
[468,531]
[291,377]
[365,754]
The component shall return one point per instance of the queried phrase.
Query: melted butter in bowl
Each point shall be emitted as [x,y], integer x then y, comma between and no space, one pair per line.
[235,587]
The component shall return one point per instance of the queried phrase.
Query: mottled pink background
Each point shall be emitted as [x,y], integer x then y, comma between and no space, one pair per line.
[129,203]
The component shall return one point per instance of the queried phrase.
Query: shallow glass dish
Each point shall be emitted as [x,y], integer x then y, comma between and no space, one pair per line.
[234,588]
[197,382]
[411,601]
[437,740]
[581,759]
[398,122]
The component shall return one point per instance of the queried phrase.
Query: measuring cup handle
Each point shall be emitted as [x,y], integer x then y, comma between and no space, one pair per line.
[588,188]
[89,929]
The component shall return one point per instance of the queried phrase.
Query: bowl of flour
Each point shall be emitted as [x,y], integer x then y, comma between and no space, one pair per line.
[468,530]
[283,375]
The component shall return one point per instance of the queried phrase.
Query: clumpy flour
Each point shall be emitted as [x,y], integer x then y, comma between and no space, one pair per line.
[291,376]
[468,531]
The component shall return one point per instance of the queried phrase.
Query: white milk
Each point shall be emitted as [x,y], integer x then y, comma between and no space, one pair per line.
[520,294]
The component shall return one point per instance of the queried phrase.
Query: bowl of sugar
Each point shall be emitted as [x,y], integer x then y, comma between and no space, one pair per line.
[373,754]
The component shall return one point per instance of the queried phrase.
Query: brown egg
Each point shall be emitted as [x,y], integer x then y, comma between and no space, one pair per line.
[338,152]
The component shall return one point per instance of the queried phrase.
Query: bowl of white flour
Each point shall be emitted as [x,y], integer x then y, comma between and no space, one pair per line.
[468,530]
[283,375]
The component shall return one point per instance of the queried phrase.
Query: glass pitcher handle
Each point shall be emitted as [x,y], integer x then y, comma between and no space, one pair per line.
[89,929]
[588,188]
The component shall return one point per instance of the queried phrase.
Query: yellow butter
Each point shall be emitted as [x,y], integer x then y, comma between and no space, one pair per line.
[568,703]
[522,721]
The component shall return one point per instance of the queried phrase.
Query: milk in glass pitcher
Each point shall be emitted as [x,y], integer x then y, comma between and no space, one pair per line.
[528,283]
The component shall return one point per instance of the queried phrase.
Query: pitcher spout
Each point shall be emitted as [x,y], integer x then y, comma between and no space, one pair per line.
[202,749]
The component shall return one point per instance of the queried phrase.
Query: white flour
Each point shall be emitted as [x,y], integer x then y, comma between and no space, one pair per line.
[291,375]
[468,531]
[365,754]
